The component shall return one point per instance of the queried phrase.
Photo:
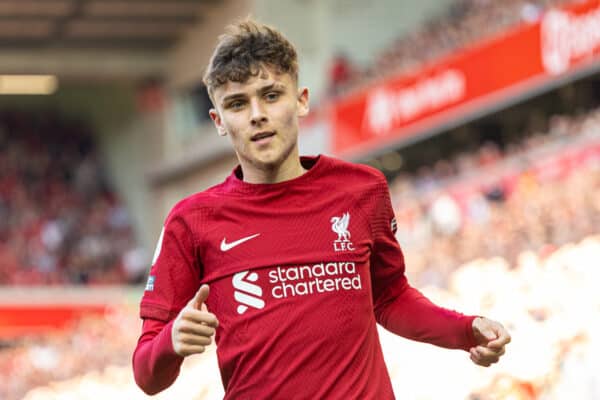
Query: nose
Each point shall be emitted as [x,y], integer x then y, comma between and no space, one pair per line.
[258,115]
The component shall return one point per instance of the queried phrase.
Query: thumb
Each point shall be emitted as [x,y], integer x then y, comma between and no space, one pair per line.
[201,295]
[488,333]
[483,330]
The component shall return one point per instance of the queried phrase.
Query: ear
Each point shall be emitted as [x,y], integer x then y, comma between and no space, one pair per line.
[303,107]
[214,115]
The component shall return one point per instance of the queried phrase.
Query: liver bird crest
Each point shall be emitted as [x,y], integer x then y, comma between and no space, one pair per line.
[340,226]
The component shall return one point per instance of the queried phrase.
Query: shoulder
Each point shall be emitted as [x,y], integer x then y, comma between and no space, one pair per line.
[197,203]
[367,186]
[355,175]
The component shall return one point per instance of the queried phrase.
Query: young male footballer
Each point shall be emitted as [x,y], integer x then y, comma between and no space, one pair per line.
[299,254]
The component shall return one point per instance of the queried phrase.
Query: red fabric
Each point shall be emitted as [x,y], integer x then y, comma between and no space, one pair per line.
[297,304]
[155,363]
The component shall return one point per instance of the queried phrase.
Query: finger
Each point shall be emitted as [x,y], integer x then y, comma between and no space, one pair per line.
[484,352]
[189,349]
[489,361]
[196,328]
[200,317]
[475,356]
[200,297]
[487,355]
[192,339]
[478,361]
[502,340]
[483,329]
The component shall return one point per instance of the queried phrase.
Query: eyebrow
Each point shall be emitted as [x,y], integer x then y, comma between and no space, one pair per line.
[274,85]
[242,95]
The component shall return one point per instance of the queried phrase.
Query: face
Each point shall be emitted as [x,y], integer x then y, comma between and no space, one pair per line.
[261,118]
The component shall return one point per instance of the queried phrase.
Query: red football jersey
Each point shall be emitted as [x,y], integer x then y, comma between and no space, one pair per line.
[299,273]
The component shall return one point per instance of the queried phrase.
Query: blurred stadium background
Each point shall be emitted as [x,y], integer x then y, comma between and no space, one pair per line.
[484,115]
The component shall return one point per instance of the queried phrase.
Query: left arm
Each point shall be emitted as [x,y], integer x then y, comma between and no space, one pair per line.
[405,311]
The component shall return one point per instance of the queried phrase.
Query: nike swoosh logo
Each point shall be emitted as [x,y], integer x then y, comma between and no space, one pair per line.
[228,246]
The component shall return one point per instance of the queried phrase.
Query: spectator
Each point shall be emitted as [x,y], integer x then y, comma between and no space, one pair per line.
[465,22]
[59,221]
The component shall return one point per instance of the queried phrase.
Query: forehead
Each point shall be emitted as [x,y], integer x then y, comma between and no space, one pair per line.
[265,77]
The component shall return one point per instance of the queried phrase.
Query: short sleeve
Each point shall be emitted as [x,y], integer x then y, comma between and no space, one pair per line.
[175,274]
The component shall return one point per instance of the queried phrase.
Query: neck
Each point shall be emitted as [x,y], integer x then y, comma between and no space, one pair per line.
[287,170]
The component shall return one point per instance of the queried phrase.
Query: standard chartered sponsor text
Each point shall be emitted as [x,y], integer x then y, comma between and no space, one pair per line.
[317,278]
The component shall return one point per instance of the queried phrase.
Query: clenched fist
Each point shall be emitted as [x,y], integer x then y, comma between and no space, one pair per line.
[492,338]
[194,327]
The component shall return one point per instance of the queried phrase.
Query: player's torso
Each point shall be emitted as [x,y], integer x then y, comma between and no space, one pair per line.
[290,284]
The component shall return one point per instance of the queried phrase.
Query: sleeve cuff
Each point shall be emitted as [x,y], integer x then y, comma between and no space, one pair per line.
[165,344]
[469,334]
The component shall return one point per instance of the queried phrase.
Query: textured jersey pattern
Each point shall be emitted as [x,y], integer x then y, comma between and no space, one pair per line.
[308,268]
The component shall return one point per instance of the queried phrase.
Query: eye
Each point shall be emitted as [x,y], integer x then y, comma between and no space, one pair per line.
[236,105]
[272,96]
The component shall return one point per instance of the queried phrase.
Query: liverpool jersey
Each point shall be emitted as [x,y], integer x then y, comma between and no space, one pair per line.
[300,272]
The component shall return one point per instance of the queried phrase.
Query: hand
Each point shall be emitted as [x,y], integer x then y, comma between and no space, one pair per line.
[491,337]
[194,326]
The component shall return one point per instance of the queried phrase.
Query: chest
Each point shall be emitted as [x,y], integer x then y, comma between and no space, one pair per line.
[300,229]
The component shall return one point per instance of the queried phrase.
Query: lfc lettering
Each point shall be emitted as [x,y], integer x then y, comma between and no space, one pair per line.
[343,246]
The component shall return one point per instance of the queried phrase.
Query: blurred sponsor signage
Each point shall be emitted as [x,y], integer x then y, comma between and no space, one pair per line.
[17,320]
[35,310]
[529,56]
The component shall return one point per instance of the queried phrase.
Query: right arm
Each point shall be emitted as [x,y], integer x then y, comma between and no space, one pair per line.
[155,363]
[163,346]
[176,322]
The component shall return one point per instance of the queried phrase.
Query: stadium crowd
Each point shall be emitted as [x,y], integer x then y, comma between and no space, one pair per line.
[539,194]
[91,344]
[463,23]
[59,220]
[554,352]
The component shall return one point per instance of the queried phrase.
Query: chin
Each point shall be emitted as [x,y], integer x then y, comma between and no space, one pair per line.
[267,163]
[270,159]
[267,159]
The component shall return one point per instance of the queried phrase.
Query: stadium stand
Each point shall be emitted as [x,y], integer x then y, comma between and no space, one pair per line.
[536,195]
[36,361]
[465,22]
[60,222]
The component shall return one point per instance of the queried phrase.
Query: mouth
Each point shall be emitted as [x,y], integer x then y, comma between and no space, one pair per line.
[262,135]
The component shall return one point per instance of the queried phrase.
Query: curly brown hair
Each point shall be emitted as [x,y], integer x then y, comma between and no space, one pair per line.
[243,49]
